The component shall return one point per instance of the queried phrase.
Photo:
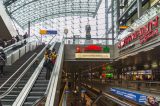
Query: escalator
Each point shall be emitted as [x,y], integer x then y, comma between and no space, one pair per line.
[10,70]
[10,98]
[14,47]
[40,85]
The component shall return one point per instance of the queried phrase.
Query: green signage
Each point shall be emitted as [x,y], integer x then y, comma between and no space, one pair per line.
[106,49]
[109,75]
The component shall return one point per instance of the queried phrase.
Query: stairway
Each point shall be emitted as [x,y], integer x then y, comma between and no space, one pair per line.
[39,88]
[10,98]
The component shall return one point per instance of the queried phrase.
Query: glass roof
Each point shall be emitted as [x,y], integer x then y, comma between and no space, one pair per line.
[35,11]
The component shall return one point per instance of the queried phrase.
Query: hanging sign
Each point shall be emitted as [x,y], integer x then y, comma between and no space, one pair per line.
[44,32]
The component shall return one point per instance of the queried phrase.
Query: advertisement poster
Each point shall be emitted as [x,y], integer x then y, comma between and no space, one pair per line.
[137,97]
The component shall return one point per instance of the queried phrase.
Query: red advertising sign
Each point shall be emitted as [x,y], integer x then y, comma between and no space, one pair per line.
[144,33]
[93,48]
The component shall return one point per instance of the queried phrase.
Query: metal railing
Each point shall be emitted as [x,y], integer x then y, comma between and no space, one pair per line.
[15,55]
[25,91]
[144,86]
[52,86]
[84,41]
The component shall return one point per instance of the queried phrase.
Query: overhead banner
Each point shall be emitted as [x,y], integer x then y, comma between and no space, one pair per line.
[44,32]
[92,55]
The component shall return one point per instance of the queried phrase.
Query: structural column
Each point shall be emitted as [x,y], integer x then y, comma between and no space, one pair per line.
[112,14]
[106,20]
[139,8]
[118,15]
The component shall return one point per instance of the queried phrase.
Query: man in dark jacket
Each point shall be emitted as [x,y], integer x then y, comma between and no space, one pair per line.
[2,60]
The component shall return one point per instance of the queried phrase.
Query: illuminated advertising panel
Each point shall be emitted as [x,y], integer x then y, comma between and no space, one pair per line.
[137,97]
[92,55]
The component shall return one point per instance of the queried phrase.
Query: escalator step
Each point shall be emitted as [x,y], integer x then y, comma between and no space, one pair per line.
[36,94]
[42,89]
[42,81]
[10,97]
[7,101]
[40,85]
[28,104]
[33,98]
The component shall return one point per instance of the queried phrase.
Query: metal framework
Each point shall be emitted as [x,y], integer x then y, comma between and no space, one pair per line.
[35,11]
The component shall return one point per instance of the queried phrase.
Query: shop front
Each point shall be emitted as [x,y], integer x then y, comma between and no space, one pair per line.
[138,60]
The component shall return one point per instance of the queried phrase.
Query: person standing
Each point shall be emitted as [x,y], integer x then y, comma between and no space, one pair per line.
[53,56]
[48,64]
[2,60]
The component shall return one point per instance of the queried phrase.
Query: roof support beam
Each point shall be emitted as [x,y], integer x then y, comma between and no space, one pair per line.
[98,5]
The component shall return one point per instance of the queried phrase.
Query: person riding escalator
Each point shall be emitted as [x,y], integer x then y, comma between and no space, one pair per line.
[50,57]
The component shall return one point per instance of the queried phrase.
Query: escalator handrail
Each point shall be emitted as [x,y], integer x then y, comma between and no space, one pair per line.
[11,46]
[39,100]
[26,89]
[51,89]
[122,103]
[17,70]
[45,95]
[110,97]
[19,78]
[56,62]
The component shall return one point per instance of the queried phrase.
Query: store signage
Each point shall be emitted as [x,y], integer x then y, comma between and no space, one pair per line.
[92,55]
[137,97]
[93,48]
[144,33]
